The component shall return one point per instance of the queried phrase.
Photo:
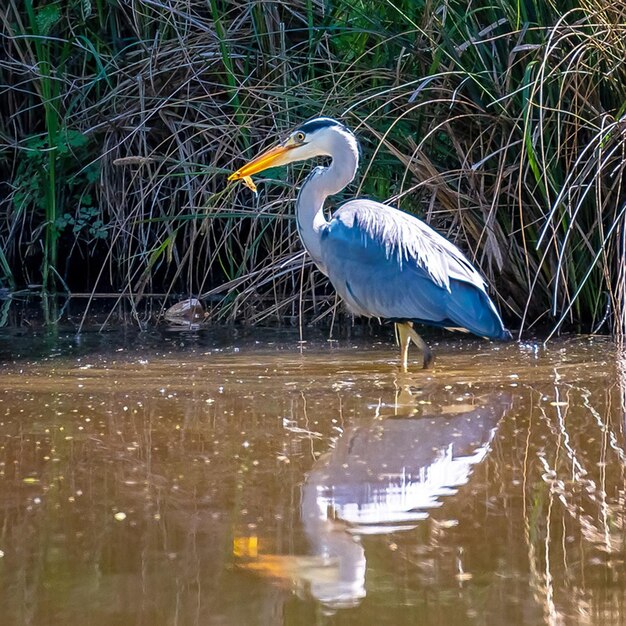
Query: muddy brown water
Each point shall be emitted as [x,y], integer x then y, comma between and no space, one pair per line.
[177,479]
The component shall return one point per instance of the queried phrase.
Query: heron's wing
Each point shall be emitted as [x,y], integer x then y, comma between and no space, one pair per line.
[387,263]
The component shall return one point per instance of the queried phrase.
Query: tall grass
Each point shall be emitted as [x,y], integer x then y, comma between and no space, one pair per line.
[502,124]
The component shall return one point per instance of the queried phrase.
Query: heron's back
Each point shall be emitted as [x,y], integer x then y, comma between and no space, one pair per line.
[386,263]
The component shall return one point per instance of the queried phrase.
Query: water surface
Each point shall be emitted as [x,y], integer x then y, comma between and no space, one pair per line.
[229,478]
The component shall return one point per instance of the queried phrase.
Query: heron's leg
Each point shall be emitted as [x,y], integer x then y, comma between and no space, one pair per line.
[404,339]
[427,354]
[406,333]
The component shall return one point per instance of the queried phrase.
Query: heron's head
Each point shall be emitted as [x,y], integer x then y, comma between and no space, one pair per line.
[317,137]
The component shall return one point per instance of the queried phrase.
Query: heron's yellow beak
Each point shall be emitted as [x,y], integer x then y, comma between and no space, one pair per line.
[270,158]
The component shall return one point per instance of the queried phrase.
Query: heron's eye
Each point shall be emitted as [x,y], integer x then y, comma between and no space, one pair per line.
[300,136]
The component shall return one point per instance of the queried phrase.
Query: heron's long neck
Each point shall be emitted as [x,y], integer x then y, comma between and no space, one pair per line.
[321,183]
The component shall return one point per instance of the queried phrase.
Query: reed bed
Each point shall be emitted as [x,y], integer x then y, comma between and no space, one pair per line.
[501,124]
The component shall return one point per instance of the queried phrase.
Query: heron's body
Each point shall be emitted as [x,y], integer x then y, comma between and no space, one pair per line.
[383,262]
[395,281]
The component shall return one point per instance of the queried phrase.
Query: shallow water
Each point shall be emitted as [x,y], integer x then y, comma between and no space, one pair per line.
[220,478]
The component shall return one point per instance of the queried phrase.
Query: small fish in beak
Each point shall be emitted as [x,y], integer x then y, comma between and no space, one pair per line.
[247,181]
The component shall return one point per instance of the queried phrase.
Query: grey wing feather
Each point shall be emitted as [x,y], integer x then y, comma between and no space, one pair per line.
[387,263]
[408,239]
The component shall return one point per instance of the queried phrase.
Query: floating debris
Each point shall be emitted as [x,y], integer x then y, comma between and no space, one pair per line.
[188,312]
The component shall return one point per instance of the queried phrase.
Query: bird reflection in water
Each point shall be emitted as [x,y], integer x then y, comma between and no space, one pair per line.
[381,477]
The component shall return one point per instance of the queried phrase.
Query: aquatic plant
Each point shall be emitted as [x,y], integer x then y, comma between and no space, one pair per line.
[501,124]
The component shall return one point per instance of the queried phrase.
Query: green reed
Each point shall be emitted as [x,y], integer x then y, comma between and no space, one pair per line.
[501,124]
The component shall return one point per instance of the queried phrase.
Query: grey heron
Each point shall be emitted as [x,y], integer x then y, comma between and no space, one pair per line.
[383,262]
